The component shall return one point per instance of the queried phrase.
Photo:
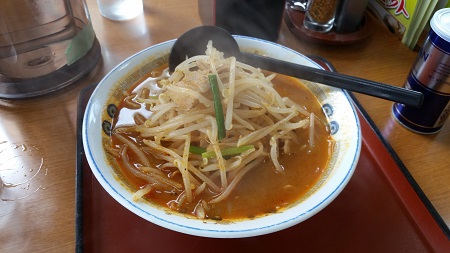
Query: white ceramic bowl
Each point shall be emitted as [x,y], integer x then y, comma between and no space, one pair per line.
[343,121]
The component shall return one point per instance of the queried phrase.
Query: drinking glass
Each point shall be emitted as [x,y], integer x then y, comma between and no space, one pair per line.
[120,9]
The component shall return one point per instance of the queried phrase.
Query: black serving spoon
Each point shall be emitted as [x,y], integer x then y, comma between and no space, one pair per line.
[194,42]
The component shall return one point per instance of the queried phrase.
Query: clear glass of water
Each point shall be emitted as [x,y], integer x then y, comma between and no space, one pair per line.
[44,46]
[120,9]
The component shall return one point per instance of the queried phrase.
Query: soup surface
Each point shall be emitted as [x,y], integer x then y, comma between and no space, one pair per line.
[264,189]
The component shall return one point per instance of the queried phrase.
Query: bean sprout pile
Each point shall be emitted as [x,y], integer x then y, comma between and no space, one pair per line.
[212,121]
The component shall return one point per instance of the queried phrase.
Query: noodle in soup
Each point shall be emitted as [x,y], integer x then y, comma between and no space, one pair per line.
[219,139]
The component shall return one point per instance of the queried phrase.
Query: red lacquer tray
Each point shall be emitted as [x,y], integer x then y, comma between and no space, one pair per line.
[380,210]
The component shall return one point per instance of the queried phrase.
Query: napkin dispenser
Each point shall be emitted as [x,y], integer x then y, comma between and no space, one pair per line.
[254,18]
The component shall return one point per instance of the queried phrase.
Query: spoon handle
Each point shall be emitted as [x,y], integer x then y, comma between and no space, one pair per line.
[380,90]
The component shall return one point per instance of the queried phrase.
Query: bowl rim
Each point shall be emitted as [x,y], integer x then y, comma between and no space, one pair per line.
[202,228]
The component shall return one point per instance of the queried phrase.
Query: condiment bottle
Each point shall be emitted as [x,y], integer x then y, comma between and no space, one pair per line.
[320,15]
[430,75]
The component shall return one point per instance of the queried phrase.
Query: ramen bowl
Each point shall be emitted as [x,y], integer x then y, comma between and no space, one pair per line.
[343,124]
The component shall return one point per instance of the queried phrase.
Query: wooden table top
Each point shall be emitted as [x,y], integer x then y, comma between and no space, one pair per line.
[40,133]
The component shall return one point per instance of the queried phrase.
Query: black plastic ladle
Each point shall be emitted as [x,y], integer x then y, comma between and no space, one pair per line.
[194,41]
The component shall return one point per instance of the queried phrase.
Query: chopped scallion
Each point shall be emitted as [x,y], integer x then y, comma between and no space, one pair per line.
[221,132]
[228,151]
[196,150]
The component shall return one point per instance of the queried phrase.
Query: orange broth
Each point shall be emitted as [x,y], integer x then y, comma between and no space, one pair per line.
[262,190]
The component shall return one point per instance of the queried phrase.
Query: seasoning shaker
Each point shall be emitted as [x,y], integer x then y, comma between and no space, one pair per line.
[320,15]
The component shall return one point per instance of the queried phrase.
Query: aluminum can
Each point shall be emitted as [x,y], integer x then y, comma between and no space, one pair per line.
[430,74]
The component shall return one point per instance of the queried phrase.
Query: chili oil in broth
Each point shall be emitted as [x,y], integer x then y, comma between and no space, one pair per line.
[262,190]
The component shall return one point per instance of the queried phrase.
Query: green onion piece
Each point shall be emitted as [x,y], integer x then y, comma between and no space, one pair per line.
[217,107]
[196,150]
[228,151]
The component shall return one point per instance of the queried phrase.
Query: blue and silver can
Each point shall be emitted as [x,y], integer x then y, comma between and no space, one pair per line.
[430,75]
